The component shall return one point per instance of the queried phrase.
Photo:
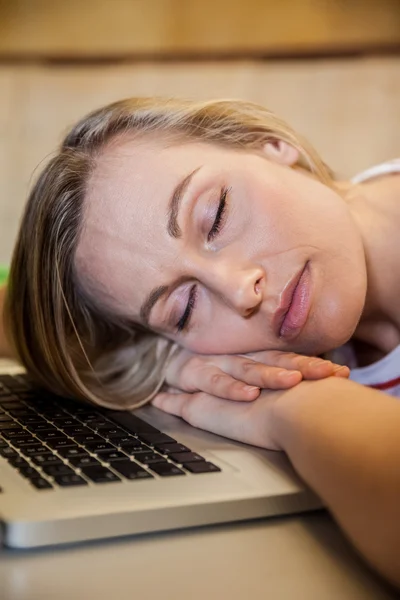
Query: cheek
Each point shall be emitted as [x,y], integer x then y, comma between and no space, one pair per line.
[230,336]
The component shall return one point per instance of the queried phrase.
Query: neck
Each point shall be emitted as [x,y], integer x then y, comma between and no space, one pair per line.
[375,206]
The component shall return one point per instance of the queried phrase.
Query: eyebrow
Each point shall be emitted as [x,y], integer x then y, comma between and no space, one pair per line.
[174,231]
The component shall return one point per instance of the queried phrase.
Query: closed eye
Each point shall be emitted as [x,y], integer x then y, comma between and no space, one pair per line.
[220,216]
[185,318]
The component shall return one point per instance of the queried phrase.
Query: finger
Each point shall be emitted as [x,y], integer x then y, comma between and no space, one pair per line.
[205,412]
[218,383]
[202,376]
[171,402]
[311,367]
[257,374]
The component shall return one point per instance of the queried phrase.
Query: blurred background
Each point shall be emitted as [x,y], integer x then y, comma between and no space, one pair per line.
[331,68]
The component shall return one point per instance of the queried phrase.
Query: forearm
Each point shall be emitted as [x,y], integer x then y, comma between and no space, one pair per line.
[344,440]
[5,350]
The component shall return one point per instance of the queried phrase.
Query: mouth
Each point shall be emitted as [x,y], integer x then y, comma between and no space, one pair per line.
[292,313]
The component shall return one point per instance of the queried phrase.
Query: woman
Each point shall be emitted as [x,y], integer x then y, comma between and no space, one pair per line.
[213,227]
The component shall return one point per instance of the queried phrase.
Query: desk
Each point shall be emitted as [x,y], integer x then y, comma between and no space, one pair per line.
[300,557]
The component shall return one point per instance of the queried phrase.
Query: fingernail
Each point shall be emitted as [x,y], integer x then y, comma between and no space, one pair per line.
[319,361]
[287,373]
[341,369]
[249,388]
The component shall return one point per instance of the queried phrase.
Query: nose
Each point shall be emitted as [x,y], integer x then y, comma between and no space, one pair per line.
[239,286]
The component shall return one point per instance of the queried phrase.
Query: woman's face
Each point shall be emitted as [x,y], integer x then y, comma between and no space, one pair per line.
[223,251]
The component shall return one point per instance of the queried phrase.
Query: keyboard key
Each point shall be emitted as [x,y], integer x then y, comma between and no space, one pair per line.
[55,470]
[58,444]
[48,436]
[41,483]
[149,458]
[35,420]
[16,433]
[39,425]
[72,452]
[35,450]
[81,410]
[112,455]
[166,469]
[113,433]
[8,452]
[53,414]
[42,426]
[85,439]
[70,480]
[17,462]
[83,461]
[86,415]
[5,418]
[67,422]
[43,460]
[21,412]
[186,457]
[156,438]
[202,467]
[23,442]
[130,470]
[77,430]
[131,422]
[3,443]
[98,447]
[100,474]
[125,440]
[133,450]
[9,425]
[171,448]
[105,425]
[28,472]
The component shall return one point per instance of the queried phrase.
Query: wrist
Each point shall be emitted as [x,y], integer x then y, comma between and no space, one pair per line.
[299,409]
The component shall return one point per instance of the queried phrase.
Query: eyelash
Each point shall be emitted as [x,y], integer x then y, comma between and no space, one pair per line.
[214,231]
[183,321]
[220,216]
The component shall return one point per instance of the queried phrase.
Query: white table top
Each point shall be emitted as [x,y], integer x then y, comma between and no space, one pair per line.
[301,557]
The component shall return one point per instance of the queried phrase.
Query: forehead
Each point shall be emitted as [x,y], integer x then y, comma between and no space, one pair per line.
[124,232]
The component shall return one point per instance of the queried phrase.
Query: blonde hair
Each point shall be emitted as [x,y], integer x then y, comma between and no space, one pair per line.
[68,341]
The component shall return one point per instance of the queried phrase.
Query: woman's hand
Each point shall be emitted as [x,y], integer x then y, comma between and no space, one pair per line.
[249,422]
[241,377]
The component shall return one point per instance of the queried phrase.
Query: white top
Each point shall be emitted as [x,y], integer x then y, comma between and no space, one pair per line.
[385,373]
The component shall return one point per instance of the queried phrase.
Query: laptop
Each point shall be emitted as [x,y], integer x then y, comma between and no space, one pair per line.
[71,472]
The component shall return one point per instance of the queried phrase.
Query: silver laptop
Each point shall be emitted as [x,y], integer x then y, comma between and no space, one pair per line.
[70,472]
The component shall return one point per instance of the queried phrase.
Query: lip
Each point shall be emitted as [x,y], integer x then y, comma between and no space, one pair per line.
[291,315]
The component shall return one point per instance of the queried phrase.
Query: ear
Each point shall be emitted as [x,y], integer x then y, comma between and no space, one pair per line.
[281,152]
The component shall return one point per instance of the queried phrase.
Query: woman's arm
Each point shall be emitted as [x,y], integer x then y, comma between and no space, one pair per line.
[342,438]
[5,350]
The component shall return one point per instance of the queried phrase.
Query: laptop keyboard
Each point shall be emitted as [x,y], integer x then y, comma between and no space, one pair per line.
[54,442]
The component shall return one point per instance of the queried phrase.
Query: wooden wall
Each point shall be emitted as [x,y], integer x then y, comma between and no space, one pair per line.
[93,28]
[348,108]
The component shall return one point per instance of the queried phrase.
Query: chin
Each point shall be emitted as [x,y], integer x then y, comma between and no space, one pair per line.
[327,336]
